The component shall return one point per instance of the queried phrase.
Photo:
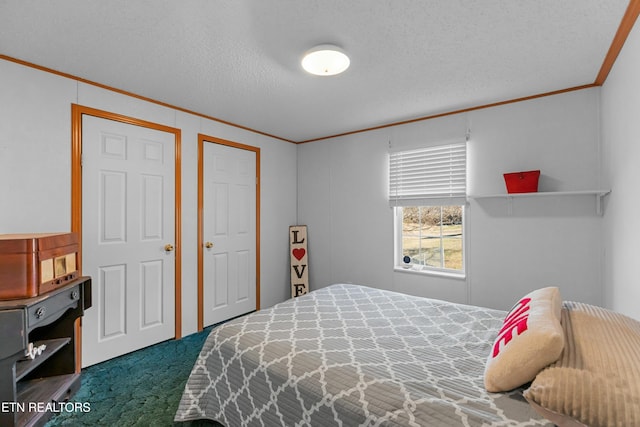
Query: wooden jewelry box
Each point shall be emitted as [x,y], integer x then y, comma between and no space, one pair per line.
[32,264]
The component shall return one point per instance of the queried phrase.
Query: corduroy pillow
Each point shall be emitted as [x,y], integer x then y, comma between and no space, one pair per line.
[530,339]
[596,380]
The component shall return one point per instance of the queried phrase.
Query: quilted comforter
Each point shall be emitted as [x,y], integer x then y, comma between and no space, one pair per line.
[349,355]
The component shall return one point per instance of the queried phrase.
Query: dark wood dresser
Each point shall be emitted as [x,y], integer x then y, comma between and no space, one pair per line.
[30,389]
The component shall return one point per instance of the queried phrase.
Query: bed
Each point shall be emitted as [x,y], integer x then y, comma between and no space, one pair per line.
[350,355]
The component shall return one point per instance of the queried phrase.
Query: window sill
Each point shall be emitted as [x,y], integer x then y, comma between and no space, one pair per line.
[430,272]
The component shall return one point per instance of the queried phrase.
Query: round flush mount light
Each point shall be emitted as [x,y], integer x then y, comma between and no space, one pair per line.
[325,60]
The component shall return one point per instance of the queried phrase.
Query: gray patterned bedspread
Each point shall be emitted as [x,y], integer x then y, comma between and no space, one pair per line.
[348,355]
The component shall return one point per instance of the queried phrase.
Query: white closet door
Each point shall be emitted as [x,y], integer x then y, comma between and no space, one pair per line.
[128,231]
[229,228]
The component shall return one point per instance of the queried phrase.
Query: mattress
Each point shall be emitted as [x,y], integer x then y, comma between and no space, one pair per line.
[349,355]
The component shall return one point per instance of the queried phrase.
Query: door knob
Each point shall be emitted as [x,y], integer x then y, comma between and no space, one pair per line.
[208,245]
[168,247]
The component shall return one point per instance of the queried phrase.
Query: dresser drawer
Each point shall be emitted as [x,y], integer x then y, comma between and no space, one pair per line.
[52,308]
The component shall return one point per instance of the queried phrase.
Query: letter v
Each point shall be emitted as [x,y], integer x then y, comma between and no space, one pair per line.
[299,273]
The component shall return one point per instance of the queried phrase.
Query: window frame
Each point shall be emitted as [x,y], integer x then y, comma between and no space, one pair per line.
[400,266]
[423,177]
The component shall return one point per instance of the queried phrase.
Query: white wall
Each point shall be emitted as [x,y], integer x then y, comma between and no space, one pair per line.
[35,159]
[551,241]
[342,197]
[621,163]
[342,185]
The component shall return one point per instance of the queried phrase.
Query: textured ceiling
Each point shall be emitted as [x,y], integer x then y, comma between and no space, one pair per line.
[239,60]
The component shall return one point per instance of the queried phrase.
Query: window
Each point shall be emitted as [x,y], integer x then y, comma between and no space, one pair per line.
[431,237]
[427,188]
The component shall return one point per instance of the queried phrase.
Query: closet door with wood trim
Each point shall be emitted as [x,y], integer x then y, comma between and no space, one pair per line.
[128,233]
[229,232]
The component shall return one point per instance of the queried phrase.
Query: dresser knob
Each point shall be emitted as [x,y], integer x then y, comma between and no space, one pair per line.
[40,312]
[75,295]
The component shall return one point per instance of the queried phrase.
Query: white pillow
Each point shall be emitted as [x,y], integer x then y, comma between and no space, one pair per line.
[530,339]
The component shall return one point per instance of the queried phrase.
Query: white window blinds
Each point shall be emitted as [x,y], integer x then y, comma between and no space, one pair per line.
[429,176]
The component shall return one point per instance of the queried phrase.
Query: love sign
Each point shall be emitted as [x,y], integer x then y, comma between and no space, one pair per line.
[299,257]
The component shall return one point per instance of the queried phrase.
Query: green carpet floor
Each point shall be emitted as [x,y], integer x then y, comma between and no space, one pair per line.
[142,388]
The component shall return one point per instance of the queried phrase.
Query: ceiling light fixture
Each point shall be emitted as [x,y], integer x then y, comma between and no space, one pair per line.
[325,60]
